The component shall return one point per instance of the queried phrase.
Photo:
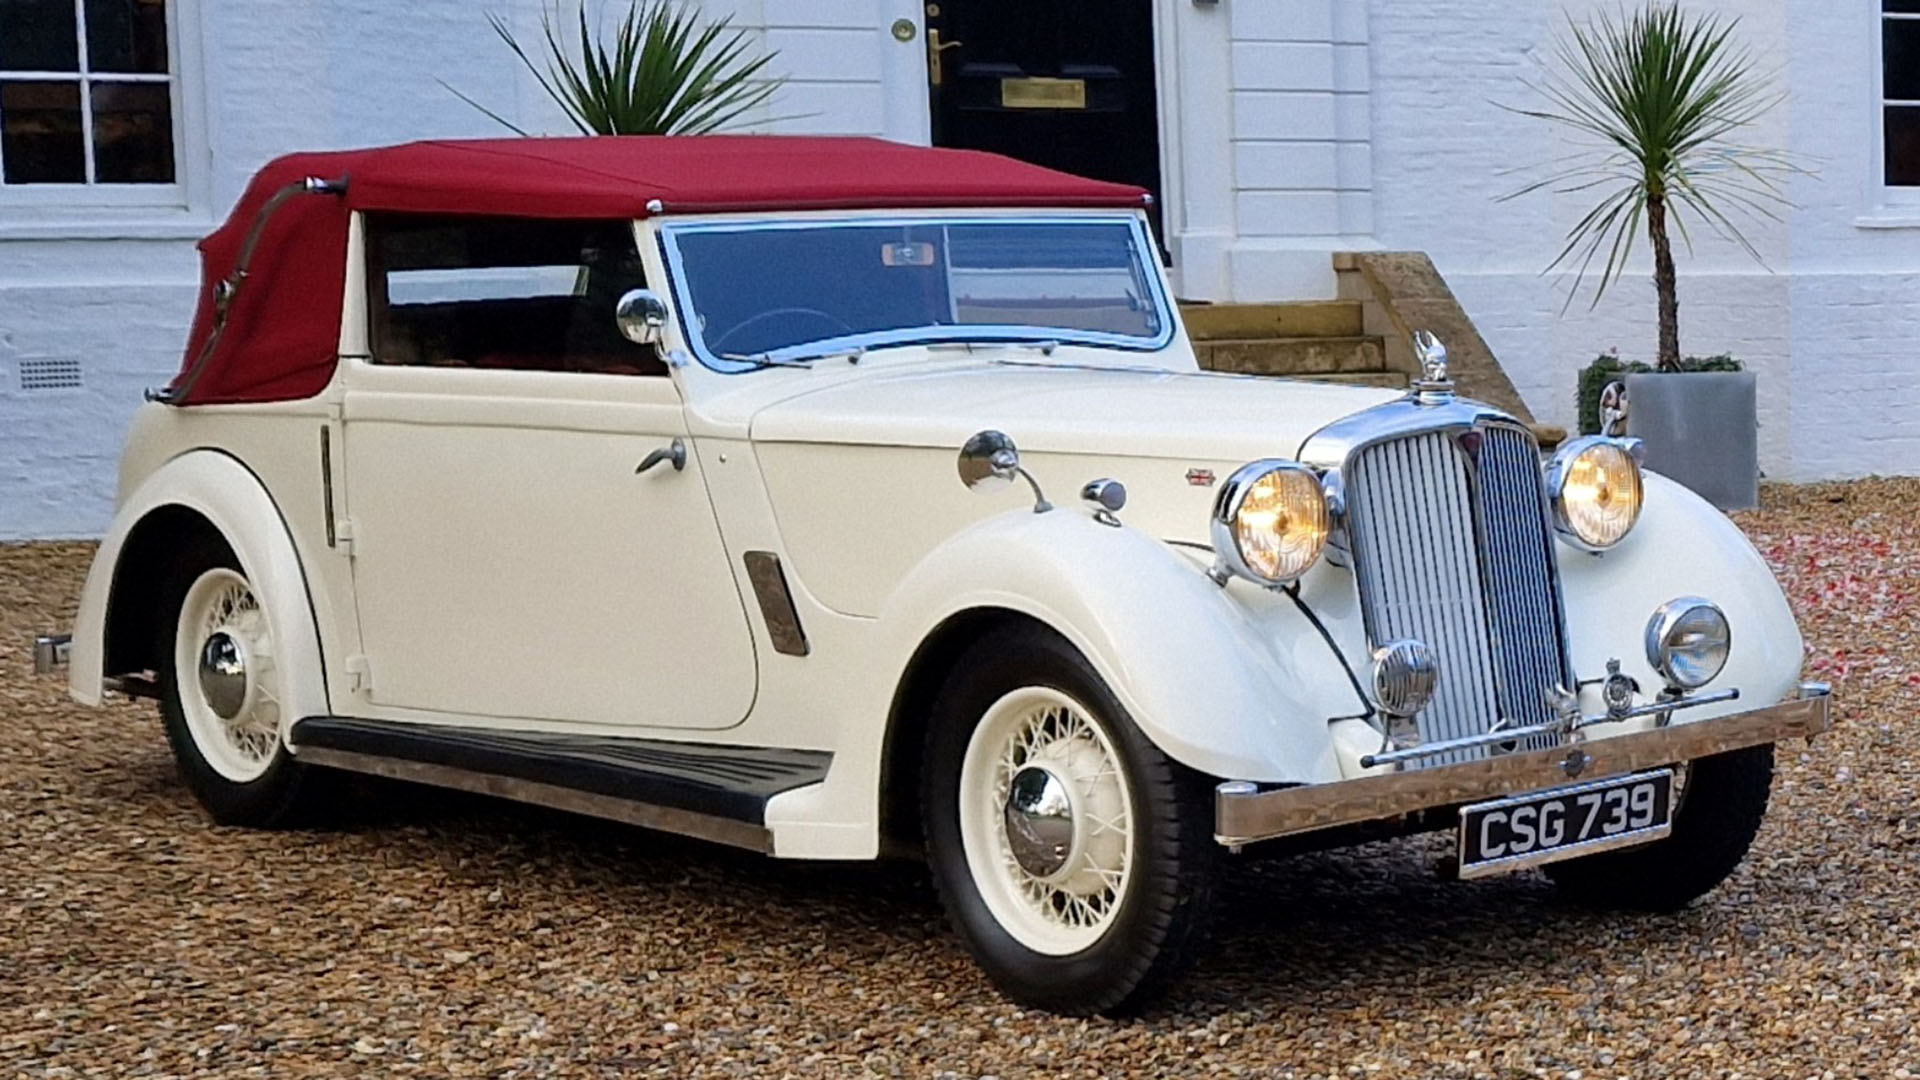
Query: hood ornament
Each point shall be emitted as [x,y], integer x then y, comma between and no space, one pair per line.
[1435,385]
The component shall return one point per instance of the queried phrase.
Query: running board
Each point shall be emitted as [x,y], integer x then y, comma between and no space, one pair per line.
[712,792]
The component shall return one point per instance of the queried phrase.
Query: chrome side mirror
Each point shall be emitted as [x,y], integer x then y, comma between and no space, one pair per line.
[641,316]
[989,462]
[989,458]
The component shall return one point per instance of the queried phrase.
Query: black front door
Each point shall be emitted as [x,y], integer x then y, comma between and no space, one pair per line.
[1068,84]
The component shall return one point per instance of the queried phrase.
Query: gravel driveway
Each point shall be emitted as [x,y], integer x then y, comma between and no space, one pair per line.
[443,936]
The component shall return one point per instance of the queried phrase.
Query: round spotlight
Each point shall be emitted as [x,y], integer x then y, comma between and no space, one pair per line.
[1404,676]
[1688,640]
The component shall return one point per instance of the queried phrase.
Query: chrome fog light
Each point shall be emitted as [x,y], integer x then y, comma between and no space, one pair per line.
[1688,640]
[1404,676]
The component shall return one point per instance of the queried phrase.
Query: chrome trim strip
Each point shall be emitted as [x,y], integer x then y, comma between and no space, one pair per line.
[326,484]
[926,335]
[1244,815]
[646,815]
[50,652]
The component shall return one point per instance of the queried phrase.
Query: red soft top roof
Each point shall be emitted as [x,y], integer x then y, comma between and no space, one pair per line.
[282,329]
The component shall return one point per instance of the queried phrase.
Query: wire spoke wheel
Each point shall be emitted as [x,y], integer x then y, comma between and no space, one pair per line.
[225,676]
[1046,820]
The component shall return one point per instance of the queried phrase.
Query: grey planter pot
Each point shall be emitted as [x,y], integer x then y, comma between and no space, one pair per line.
[1701,429]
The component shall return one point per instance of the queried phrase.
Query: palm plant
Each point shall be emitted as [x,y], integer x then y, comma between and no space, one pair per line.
[664,72]
[1662,91]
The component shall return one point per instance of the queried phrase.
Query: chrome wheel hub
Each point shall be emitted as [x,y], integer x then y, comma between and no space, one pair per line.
[1046,820]
[223,674]
[1040,824]
[226,679]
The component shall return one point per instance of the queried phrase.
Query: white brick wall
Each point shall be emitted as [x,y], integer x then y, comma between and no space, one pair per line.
[1301,119]
[1830,322]
[285,75]
[1295,127]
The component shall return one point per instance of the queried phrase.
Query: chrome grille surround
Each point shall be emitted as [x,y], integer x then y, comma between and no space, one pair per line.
[1441,513]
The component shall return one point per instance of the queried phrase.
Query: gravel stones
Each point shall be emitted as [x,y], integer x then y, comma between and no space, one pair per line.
[433,935]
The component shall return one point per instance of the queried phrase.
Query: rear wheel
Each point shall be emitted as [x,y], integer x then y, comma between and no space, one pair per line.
[221,689]
[1075,860]
[1720,812]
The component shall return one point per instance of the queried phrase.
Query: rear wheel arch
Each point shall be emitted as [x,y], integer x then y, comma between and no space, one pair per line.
[152,547]
[200,500]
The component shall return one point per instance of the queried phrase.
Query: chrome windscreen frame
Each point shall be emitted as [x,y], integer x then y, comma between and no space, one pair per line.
[985,334]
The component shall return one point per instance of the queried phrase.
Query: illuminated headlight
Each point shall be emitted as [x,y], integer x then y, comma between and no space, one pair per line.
[1687,642]
[1270,521]
[1595,483]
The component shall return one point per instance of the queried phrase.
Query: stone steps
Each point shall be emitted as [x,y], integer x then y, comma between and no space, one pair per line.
[1305,339]
[1293,319]
[1293,355]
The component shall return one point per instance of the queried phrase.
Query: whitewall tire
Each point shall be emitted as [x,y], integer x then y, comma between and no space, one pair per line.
[1075,860]
[221,683]
[230,701]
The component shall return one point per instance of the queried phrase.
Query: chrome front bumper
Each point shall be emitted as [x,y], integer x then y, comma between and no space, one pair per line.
[1244,814]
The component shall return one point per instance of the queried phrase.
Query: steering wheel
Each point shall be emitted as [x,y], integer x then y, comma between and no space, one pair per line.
[841,326]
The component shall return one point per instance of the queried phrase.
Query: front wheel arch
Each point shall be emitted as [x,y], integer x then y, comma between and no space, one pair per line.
[912,710]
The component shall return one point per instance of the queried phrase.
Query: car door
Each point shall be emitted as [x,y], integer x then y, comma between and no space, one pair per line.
[508,559]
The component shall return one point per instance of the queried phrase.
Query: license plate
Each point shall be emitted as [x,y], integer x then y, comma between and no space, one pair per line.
[1563,823]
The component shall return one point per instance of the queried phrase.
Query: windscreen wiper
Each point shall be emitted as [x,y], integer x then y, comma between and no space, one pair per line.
[764,360]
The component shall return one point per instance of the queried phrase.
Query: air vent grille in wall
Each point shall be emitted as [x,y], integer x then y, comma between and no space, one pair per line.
[49,374]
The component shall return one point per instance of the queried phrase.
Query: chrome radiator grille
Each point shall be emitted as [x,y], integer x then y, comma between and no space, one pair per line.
[1456,552]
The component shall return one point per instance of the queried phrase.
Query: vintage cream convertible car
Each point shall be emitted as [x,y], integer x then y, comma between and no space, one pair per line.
[619,475]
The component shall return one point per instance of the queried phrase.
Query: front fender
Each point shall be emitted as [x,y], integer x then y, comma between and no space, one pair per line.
[1682,546]
[1232,682]
[233,500]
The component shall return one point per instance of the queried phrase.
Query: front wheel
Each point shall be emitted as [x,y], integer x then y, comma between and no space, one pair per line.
[1720,812]
[220,696]
[1075,860]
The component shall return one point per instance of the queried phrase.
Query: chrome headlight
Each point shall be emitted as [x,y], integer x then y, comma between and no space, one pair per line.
[1596,490]
[1270,521]
[1688,640]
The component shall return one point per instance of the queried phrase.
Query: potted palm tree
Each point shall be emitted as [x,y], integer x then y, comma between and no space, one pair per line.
[1657,95]
[664,71]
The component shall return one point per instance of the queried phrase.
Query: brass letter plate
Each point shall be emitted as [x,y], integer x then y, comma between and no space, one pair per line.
[1040,92]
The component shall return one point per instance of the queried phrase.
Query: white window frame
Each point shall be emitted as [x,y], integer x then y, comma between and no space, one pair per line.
[1902,198]
[60,208]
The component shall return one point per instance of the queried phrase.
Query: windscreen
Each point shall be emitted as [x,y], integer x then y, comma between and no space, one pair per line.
[757,291]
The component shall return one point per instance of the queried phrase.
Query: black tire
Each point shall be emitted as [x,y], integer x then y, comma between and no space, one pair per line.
[1720,811]
[288,792]
[1161,919]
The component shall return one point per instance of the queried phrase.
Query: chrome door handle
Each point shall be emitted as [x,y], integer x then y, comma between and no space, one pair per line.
[676,453]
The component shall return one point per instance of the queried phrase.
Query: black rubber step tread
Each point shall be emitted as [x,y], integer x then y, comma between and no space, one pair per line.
[731,782]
